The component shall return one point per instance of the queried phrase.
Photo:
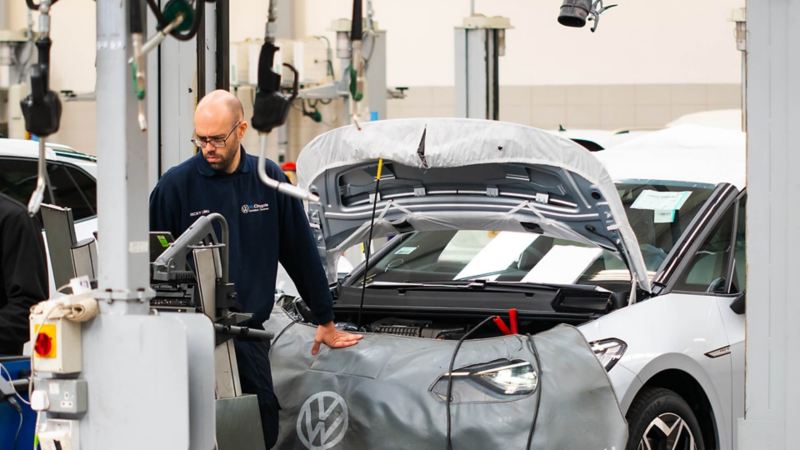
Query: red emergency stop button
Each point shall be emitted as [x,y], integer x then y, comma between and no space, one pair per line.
[44,344]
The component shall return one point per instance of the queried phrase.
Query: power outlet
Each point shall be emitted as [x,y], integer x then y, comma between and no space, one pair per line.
[66,397]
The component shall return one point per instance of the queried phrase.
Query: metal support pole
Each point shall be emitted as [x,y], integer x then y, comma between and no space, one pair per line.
[223,44]
[122,160]
[375,73]
[773,221]
[177,82]
[136,365]
[479,43]
[740,19]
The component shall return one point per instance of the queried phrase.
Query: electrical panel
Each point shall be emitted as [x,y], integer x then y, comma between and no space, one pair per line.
[56,344]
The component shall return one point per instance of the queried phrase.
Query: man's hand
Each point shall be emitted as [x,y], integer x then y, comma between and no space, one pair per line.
[328,334]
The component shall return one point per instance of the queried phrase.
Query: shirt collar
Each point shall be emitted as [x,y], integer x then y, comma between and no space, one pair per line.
[206,170]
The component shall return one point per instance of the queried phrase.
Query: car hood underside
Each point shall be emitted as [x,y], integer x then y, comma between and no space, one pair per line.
[440,174]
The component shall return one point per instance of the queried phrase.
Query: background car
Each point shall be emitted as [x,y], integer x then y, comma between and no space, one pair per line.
[71,181]
[672,345]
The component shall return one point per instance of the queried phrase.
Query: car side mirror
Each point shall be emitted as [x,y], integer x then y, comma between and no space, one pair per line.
[738,304]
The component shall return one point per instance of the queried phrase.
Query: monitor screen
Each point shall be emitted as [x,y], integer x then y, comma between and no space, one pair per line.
[159,241]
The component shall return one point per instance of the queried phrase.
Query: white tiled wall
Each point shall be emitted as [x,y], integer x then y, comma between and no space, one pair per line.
[604,107]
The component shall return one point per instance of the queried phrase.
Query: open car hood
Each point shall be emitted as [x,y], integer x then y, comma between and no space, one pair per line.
[455,174]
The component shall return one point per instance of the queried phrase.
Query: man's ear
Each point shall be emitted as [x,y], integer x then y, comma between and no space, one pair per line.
[241,129]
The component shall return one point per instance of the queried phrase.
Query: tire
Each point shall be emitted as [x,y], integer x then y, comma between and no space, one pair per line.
[659,419]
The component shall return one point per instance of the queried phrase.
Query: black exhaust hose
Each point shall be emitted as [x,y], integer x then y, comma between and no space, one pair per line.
[135,16]
[356,27]
[269,107]
[42,108]
[268,81]
[573,13]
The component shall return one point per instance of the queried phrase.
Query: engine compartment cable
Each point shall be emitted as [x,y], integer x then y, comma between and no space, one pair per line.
[538,390]
[368,248]
[450,378]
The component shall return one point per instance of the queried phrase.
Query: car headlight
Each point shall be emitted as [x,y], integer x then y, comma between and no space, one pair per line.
[513,378]
[608,351]
[496,380]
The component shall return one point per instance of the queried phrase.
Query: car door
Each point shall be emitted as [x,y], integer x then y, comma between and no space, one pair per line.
[733,317]
[73,188]
[717,270]
[67,186]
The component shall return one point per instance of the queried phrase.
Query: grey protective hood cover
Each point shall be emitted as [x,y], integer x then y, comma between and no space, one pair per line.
[378,394]
[461,174]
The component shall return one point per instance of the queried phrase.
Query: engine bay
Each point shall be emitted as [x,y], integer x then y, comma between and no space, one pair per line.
[451,325]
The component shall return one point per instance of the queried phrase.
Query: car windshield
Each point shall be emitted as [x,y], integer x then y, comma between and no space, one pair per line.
[659,213]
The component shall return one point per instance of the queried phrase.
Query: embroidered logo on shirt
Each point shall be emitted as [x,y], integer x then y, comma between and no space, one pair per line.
[248,208]
[199,213]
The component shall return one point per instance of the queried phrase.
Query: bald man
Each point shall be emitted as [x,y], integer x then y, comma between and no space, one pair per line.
[265,227]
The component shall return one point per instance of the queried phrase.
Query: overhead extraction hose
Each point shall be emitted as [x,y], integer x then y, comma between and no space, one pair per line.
[196,17]
[356,69]
[270,108]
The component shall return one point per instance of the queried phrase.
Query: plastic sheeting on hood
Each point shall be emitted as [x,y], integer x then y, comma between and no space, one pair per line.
[470,142]
[377,394]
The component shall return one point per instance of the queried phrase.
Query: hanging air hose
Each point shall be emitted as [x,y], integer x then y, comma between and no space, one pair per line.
[178,19]
[271,107]
[42,108]
[356,70]
[312,112]
[192,18]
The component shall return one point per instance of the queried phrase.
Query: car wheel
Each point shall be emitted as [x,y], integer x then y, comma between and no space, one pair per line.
[659,419]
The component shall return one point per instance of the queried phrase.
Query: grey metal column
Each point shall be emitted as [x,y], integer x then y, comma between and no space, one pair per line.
[122,187]
[153,98]
[142,393]
[773,226]
[212,44]
[375,73]
[4,12]
[178,85]
[479,43]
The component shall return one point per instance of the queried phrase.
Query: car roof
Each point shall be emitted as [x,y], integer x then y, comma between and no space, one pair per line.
[595,140]
[686,153]
[717,118]
[22,148]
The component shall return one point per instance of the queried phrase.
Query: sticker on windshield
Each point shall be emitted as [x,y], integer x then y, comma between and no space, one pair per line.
[405,250]
[664,216]
[661,201]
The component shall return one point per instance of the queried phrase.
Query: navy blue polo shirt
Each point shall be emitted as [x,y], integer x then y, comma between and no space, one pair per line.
[265,227]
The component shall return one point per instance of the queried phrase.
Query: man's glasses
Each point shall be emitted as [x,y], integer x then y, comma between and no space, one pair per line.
[215,141]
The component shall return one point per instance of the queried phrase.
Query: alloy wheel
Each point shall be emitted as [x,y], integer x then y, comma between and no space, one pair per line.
[668,431]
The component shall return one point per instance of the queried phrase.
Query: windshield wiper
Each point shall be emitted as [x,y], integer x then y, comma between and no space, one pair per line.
[407,285]
[471,285]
